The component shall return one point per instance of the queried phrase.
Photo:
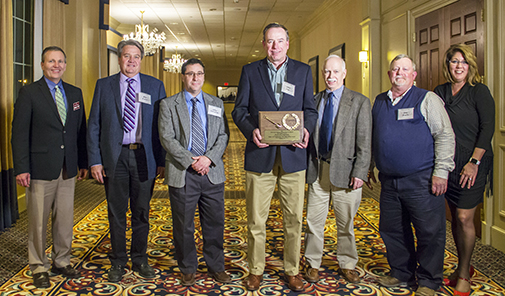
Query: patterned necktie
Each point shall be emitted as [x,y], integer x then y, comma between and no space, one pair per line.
[129,107]
[197,145]
[325,131]
[60,104]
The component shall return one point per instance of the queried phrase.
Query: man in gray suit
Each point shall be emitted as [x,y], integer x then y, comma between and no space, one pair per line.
[194,132]
[339,158]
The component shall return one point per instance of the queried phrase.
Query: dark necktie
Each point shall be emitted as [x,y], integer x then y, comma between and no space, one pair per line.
[325,131]
[129,107]
[197,144]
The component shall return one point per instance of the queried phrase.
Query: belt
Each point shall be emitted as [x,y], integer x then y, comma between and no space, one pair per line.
[133,146]
[327,160]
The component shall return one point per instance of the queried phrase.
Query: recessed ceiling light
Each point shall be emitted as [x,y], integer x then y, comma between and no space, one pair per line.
[174,23]
[256,50]
[253,55]
[181,33]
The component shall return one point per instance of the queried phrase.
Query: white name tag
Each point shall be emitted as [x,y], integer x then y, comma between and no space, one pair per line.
[215,111]
[288,88]
[406,114]
[144,98]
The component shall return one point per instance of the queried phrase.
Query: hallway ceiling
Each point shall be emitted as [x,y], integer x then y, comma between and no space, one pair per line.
[223,33]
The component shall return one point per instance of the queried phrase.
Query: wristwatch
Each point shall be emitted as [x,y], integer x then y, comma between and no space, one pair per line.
[474,161]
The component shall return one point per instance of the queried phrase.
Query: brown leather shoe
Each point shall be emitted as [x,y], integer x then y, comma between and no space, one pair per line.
[188,279]
[253,282]
[294,282]
[221,277]
[311,274]
[349,275]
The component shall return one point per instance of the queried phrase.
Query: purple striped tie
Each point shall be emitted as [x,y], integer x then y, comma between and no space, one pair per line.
[129,107]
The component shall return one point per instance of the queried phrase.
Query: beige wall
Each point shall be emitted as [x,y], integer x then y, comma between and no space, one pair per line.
[74,27]
[333,24]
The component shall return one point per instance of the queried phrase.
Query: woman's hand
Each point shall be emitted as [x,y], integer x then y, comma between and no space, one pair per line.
[468,175]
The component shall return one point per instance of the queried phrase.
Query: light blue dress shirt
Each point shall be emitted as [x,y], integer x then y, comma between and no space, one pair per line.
[52,89]
[200,104]
[337,95]
[277,77]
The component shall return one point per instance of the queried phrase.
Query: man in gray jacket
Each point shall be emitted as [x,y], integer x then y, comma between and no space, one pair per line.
[339,158]
[194,132]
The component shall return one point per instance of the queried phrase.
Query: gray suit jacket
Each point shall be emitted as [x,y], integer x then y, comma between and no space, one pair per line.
[352,134]
[174,130]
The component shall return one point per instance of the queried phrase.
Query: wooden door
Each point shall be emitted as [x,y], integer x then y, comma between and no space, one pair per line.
[460,22]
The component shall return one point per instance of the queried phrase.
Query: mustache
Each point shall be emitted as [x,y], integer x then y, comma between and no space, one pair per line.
[399,76]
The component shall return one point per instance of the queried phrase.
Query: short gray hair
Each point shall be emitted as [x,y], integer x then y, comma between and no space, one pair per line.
[133,42]
[335,56]
[402,56]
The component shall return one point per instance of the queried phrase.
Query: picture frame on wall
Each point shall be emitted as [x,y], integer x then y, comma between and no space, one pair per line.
[314,66]
[338,50]
[227,93]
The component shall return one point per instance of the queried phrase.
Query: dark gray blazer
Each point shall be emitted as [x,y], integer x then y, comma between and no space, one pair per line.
[352,146]
[105,124]
[174,129]
[41,144]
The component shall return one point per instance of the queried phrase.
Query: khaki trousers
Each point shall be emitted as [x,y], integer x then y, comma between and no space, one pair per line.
[345,205]
[259,190]
[43,198]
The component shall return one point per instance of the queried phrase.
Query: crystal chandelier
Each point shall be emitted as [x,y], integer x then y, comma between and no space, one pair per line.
[175,63]
[150,41]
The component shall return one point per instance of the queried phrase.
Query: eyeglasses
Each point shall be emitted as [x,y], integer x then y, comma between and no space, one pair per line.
[455,62]
[198,74]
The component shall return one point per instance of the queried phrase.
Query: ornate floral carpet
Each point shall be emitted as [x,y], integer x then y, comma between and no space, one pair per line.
[91,245]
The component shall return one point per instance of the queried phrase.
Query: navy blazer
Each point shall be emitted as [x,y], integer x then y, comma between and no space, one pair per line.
[41,144]
[255,94]
[105,124]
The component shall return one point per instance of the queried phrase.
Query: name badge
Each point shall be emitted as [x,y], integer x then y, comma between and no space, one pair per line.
[214,111]
[144,98]
[288,88]
[406,114]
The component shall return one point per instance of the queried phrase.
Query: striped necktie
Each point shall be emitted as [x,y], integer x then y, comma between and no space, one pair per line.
[129,107]
[60,104]
[197,144]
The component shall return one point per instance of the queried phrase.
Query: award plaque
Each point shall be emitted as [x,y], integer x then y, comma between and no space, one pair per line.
[281,127]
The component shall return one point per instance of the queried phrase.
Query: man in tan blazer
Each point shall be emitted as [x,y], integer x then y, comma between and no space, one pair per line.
[339,158]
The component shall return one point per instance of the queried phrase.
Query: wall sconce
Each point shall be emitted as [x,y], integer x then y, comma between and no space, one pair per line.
[363,57]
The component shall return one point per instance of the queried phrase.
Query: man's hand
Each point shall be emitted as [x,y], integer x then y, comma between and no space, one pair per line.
[305,141]
[83,173]
[23,179]
[438,185]
[201,164]
[256,135]
[160,172]
[371,178]
[98,172]
[356,183]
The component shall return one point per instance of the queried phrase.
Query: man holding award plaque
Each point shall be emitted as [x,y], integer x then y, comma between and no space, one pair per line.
[275,152]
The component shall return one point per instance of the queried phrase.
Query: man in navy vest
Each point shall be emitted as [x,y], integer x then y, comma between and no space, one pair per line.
[413,147]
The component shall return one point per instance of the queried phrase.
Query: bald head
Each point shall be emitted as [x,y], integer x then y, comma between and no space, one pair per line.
[334,72]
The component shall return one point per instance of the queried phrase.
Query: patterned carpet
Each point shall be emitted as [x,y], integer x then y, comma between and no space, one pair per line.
[91,245]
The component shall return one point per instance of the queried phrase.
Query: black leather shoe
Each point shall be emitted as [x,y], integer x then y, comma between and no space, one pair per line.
[115,273]
[41,280]
[144,270]
[67,271]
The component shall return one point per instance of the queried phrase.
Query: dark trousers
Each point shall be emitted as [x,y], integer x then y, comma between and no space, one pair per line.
[209,198]
[406,202]
[131,183]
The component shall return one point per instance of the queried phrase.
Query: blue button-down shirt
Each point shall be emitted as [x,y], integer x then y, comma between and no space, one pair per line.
[200,105]
[337,95]
[52,89]
[277,77]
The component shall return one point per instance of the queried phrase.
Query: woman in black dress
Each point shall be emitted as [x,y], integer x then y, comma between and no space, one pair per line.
[471,109]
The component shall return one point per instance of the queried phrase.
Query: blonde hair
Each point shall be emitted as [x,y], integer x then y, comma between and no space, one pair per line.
[473,76]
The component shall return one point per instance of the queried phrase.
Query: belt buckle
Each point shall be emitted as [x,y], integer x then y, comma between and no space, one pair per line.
[133,146]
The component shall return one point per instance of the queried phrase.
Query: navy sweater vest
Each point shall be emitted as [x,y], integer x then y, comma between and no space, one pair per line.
[401,145]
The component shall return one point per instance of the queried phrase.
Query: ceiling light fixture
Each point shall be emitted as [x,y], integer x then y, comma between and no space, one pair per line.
[151,41]
[175,63]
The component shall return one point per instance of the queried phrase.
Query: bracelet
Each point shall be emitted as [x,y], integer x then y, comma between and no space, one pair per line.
[474,161]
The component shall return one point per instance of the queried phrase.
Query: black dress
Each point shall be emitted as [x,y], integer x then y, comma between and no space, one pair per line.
[472,115]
